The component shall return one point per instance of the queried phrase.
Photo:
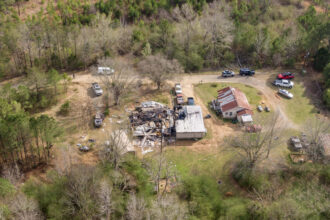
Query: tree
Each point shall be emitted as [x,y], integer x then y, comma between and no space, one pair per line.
[314,129]
[255,147]
[168,207]
[38,79]
[119,83]
[105,199]
[24,208]
[136,208]
[80,193]
[159,69]
[115,148]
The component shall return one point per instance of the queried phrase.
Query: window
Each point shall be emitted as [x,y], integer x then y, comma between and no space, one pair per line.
[226,113]
[230,113]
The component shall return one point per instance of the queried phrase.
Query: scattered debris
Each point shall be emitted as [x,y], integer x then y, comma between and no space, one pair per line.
[253,128]
[84,148]
[152,123]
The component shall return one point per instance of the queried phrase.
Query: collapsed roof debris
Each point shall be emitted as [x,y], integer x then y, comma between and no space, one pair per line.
[152,123]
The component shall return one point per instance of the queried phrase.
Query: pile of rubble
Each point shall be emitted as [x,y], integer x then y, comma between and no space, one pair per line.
[152,123]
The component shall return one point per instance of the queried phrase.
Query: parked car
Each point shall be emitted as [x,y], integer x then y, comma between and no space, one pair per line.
[228,73]
[190,101]
[179,99]
[178,89]
[286,75]
[283,83]
[97,89]
[260,109]
[98,119]
[285,93]
[105,70]
[267,109]
[296,143]
[246,72]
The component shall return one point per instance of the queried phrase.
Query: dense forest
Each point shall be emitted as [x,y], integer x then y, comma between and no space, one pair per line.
[71,35]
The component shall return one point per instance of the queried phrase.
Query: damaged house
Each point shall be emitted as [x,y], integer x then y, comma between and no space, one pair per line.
[151,122]
[232,103]
[189,123]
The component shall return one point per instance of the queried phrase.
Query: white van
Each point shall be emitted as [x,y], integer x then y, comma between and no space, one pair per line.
[105,70]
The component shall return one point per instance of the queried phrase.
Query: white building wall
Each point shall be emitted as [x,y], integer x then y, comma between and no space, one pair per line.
[233,112]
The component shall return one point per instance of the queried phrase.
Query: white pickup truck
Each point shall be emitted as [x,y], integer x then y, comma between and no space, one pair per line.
[283,83]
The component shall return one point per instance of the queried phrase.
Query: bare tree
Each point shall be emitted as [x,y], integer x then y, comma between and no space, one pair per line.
[119,83]
[24,208]
[12,173]
[168,207]
[159,69]
[255,147]
[64,160]
[136,208]
[85,113]
[105,200]
[217,31]
[161,169]
[80,193]
[315,129]
[117,145]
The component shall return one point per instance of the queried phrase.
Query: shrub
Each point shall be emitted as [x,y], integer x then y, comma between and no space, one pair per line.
[6,187]
[325,175]
[321,59]
[65,108]
[250,179]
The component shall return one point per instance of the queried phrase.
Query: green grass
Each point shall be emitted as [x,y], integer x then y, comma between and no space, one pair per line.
[299,108]
[209,91]
[214,165]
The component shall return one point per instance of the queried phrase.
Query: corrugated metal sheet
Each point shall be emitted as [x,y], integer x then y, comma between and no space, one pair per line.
[230,98]
[193,121]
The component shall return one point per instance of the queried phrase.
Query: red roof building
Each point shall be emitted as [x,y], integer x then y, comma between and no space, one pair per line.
[233,103]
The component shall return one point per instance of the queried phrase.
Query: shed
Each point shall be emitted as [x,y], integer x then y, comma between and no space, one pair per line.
[190,124]
[245,116]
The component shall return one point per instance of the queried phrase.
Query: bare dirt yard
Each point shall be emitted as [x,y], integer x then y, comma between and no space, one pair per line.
[79,127]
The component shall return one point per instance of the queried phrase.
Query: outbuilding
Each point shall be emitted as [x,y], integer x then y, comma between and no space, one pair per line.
[232,103]
[190,123]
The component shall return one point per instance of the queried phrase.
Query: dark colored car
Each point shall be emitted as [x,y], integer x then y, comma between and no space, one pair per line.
[286,75]
[246,72]
[191,101]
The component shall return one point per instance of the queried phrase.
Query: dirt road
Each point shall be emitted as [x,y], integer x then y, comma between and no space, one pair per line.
[257,82]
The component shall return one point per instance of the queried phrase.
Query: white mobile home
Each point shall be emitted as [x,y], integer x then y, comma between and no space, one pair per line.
[190,124]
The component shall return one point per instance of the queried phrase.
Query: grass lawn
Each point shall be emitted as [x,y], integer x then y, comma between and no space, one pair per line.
[208,91]
[211,165]
[299,108]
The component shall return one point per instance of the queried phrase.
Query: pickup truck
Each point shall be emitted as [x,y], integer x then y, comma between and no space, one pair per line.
[283,83]
[246,72]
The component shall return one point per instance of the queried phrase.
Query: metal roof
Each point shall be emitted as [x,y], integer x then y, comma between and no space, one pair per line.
[230,98]
[193,121]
